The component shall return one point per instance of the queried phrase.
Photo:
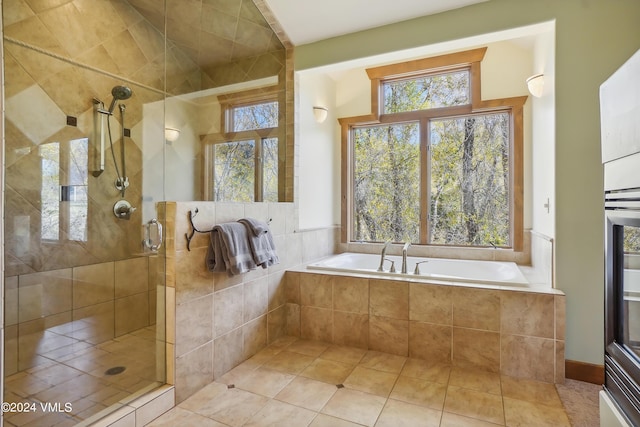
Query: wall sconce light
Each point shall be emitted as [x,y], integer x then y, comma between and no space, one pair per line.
[535,84]
[320,113]
[171,134]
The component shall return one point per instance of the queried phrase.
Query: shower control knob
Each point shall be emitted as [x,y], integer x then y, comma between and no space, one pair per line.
[123,209]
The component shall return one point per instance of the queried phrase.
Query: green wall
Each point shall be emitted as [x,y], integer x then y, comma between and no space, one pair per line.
[593,38]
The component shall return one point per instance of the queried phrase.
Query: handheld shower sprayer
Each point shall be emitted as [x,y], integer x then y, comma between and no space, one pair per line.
[119,93]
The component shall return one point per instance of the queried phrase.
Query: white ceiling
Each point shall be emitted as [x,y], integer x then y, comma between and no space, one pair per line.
[306,21]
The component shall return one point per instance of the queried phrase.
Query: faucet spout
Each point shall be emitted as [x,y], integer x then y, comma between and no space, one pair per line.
[383,254]
[405,248]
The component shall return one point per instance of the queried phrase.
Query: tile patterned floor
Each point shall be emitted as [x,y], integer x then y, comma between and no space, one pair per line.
[75,373]
[301,383]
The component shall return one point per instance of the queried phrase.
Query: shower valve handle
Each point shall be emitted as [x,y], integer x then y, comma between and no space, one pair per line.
[123,209]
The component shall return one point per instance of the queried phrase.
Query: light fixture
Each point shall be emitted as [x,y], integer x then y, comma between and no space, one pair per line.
[535,84]
[171,134]
[320,113]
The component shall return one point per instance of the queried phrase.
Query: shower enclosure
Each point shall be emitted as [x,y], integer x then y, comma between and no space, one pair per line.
[107,105]
[84,298]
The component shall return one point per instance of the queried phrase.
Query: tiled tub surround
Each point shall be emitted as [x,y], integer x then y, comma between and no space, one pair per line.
[516,332]
[215,322]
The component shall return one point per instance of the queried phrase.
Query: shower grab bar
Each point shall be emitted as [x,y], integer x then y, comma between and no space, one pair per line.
[97,113]
[194,229]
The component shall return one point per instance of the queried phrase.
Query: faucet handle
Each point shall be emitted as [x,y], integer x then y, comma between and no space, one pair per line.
[393,265]
[417,269]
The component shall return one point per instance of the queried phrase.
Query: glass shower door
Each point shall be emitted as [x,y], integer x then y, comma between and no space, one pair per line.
[84,299]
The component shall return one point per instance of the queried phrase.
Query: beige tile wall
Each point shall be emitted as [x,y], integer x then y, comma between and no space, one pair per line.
[93,303]
[220,321]
[517,333]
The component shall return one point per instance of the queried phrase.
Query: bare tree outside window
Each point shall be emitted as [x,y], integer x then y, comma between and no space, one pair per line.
[270,170]
[245,164]
[233,168]
[434,91]
[467,196]
[469,200]
[256,116]
[387,183]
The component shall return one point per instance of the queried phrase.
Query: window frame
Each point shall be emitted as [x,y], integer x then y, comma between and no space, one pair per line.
[229,102]
[467,60]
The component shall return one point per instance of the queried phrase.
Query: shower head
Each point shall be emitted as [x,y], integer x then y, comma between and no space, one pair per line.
[119,92]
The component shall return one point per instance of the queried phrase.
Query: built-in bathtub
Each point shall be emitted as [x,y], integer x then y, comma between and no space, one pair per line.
[471,314]
[450,270]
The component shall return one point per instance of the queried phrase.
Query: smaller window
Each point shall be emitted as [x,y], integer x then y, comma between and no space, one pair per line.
[426,92]
[252,117]
[242,160]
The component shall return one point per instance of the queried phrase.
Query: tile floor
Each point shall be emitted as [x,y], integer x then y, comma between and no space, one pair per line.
[307,383]
[76,373]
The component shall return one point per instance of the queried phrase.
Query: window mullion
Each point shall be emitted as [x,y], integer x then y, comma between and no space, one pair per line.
[425,177]
[259,196]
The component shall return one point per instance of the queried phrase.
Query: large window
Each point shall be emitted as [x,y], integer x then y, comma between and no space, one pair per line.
[242,161]
[434,164]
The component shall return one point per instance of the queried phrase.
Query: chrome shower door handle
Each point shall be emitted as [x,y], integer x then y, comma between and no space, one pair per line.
[152,242]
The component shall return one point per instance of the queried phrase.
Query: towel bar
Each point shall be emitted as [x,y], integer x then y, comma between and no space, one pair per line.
[195,230]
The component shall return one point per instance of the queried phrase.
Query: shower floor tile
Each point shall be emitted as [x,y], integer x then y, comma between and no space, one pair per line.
[347,387]
[75,372]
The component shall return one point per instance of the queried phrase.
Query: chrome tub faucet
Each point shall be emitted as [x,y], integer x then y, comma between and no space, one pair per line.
[383,254]
[405,248]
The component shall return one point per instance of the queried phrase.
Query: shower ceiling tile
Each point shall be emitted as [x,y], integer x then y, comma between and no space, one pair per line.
[265,66]
[218,23]
[42,5]
[28,110]
[129,15]
[212,33]
[225,74]
[253,37]
[215,50]
[15,11]
[184,11]
[101,17]
[72,29]
[231,7]
[250,12]
[126,53]
[151,75]
[98,57]
[149,39]
[34,32]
